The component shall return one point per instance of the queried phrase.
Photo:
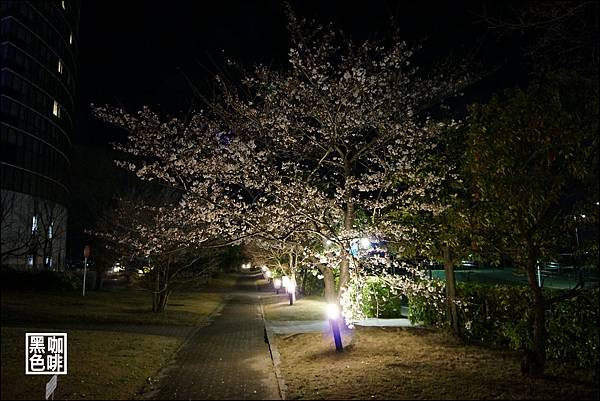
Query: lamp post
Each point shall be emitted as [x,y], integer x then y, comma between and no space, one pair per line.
[333,314]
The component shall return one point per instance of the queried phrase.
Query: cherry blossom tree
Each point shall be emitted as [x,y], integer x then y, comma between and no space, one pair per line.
[319,151]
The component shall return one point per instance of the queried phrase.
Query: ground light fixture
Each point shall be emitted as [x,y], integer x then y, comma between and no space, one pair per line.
[333,313]
[291,290]
[277,284]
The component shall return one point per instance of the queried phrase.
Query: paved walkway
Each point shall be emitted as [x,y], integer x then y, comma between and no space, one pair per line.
[229,359]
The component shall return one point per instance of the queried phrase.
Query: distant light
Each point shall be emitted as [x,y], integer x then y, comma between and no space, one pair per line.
[332,311]
[583,216]
[245,265]
[365,243]
[56,109]
[277,283]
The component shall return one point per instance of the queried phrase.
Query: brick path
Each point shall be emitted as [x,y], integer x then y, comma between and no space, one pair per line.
[228,359]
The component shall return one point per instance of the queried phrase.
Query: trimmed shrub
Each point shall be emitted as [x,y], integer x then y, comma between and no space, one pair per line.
[502,315]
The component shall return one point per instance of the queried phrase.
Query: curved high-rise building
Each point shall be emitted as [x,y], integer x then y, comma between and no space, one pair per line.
[37,87]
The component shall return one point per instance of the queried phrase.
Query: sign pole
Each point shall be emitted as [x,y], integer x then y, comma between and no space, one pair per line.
[86,255]
[84,273]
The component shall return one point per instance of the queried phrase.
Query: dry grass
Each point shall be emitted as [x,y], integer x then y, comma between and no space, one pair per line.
[307,308]
[101,365]
[398,363]
[103,307]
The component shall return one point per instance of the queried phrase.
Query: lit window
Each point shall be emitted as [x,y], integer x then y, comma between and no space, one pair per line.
[71,38]
[56,109]
[50,231]
[64,6]
[49,261]
[30,260]
[60,66]
[34,222]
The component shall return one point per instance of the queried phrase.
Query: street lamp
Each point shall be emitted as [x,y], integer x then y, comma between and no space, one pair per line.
[333,313]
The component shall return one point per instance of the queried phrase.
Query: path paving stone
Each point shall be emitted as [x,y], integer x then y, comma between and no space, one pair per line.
[229,359]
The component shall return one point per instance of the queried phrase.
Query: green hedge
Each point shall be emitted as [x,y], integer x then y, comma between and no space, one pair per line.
[501,315]
[43,279]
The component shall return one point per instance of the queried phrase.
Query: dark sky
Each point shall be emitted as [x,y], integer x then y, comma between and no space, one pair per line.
[137,52]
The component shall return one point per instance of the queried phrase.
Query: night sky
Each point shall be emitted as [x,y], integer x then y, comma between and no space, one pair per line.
[143,52]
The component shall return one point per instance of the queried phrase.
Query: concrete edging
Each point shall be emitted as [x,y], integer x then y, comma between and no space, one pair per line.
[275,356]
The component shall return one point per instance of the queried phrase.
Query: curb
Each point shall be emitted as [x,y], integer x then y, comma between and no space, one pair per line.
[275,356]
[148,391]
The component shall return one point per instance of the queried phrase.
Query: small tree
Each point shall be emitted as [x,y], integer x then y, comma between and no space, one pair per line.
[148,232]
[533,162]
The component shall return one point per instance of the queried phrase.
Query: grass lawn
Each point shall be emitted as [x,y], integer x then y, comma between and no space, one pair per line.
[306,308]
[397,363]
[126,305]
[101,365]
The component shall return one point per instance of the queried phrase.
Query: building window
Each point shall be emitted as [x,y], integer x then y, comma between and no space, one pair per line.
[50,230]
[71,38]
[64,6]
[56,109]
[34,223]
[30,260]
[60,66]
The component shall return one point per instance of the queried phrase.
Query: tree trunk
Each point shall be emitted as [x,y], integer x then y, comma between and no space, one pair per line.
[328,280]
[156,293]
[345,263]
[534,361]
[450,290]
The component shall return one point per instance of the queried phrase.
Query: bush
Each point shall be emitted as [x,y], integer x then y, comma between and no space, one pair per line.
[501,315]
[379,301]
[17,279]
[309,284]
[421,309]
